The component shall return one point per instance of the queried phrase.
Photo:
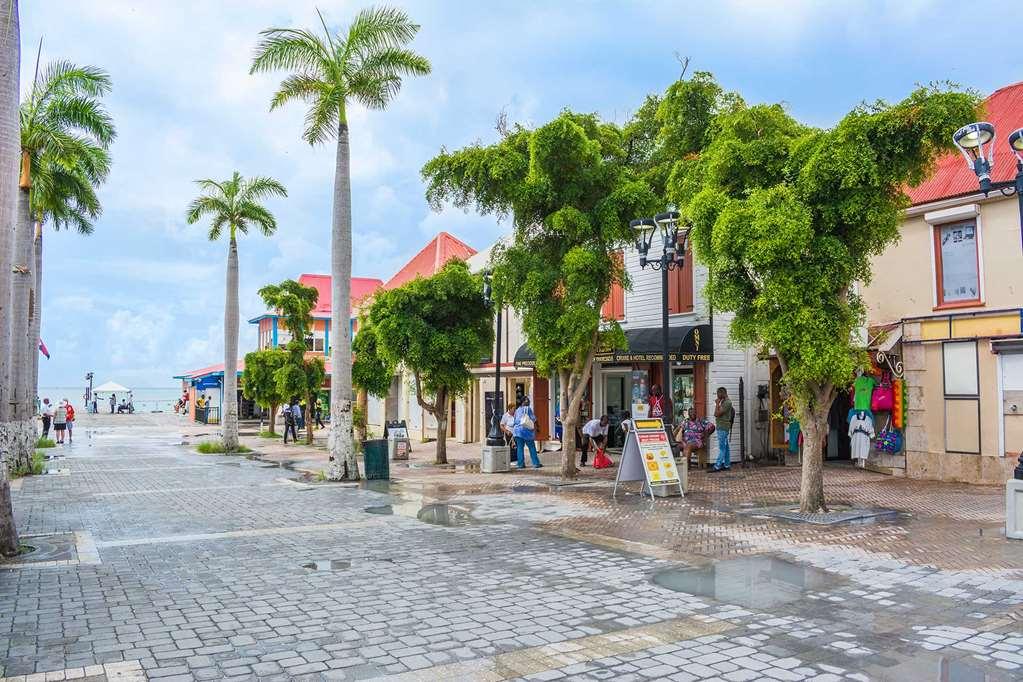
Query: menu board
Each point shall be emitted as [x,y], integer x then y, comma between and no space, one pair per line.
[647,457]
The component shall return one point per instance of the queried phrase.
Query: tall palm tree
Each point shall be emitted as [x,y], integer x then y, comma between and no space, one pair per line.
[234,204]
[63,195]
[10,66]
[63,119]
[363,65]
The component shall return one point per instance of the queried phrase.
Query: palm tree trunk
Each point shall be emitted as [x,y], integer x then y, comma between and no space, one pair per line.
[22,425]
[343,464]
[230,416]
[10,148]
[37,306]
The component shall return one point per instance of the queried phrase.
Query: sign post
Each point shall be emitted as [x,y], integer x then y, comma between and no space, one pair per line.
[647,457]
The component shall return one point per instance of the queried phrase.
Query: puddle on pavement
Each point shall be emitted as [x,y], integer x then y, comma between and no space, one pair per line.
[755,582]
[437,514]
[328,565]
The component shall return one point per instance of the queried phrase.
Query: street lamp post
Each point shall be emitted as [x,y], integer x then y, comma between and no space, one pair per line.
[976,141]
[673,256]
[494,438]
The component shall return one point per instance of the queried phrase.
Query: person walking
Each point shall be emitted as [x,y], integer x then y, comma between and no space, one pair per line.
[507,424]
[59,423]
[113,402]
[289,423]
[318,413]
[69,419]
[95,405]
[525,435]
[724,416]
[594,433]
[299,414]
[47,417]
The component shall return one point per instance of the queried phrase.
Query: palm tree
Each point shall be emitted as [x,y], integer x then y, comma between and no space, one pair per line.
[62,119]
[234,204]
[66,198]
[363,65]
[10,65]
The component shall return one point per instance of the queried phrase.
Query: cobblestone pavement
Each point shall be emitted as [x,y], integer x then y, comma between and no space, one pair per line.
[158,563]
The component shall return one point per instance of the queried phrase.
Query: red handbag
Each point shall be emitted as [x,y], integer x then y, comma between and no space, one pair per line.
[883,397]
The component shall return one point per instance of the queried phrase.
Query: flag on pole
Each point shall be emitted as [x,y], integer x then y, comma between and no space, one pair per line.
[42,349]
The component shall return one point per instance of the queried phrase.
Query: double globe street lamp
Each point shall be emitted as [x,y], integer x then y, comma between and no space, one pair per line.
[673,256]
[976,141]
[494,437]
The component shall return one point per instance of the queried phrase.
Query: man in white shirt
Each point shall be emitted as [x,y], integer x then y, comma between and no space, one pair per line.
[595,431]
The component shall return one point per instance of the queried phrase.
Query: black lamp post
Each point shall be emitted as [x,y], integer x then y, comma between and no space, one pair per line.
[673,255]
[976,141]
[494,438]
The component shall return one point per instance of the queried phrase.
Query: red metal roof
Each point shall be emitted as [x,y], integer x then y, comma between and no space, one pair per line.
[952,177]
[361,288]
[212,369]
[432,258]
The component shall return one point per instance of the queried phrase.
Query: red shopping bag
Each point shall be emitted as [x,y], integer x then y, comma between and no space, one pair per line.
[601,460]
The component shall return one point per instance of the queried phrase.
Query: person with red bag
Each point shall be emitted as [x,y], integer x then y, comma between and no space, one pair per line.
[70,419]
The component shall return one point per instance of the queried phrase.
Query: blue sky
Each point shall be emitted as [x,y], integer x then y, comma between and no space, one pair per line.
[142,298]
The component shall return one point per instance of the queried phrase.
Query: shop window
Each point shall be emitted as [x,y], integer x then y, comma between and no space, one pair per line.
[614,306]
[962,397]
[957,264]
[680,287]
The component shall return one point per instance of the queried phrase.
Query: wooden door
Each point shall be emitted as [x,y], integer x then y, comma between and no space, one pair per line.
[541,407]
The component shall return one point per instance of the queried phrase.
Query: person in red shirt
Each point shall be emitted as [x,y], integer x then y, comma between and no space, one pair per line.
[70,418]
[656,402]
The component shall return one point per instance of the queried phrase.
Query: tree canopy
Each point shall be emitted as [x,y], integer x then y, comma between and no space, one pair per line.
[259,382]
[787,219]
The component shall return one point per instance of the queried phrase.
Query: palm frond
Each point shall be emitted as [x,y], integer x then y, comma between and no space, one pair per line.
[394,61]
[322,118]
[297,86]
[261,187]
[62,78]
[85,114]
[206,205]
[376,28]
[289,48]
[217,226]
[263,219]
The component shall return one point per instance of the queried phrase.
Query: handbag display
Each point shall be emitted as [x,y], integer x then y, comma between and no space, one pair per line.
[883,397]
[889,439]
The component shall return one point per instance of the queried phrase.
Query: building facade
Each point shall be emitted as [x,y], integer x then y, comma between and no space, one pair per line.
[950,293]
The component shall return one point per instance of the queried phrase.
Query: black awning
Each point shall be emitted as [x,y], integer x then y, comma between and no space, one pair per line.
[693,343]
[524,357]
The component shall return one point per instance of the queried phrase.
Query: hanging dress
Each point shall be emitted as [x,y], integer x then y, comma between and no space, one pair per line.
[861,431]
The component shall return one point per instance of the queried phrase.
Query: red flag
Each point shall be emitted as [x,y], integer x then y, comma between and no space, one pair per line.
[42,349]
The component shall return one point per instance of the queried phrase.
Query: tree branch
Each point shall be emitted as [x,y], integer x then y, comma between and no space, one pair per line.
[431,408]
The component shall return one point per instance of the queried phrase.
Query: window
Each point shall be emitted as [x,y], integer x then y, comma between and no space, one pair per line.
[314,343]
[962,397]
[614,306]
[680,287]
[957,264]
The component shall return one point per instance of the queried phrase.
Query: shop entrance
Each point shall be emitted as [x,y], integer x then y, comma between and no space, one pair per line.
[617,400]
[838,446]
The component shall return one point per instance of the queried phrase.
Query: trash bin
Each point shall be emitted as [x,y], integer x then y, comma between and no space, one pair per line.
[374,457]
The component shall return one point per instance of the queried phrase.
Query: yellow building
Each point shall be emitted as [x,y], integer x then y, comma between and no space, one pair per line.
[949,295]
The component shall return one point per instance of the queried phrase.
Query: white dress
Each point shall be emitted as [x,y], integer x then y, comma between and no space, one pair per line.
[861,431]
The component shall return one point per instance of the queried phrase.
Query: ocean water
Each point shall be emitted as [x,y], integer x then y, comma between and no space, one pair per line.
[147,399]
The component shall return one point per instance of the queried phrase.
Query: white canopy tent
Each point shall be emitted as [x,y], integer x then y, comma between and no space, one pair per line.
[111,387]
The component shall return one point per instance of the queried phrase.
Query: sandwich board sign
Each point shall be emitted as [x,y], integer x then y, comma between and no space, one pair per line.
[647,457]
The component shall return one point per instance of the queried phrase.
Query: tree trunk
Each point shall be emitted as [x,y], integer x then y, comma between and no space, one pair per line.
[362,401]
[343,464]
[22,430]
[440,413]
[10,148]
[813,420]
[310,415]
[37,306]
[230,417]
[575,389]
[273,417]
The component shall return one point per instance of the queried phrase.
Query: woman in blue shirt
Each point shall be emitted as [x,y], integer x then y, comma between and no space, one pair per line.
[525,436]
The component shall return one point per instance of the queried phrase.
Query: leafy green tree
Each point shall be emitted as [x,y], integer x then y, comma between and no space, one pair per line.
[371,373]
[363,65]
[234,204]
[436,327]
[63,120]
[571,189]
[298,376]
[788,218]
[10,65]
[259,381]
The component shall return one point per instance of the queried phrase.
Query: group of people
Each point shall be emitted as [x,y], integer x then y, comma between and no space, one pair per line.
[518,429]
[181,407]
[61,417]
[294,415]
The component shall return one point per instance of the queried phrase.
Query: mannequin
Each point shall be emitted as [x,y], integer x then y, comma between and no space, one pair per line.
[861,431]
